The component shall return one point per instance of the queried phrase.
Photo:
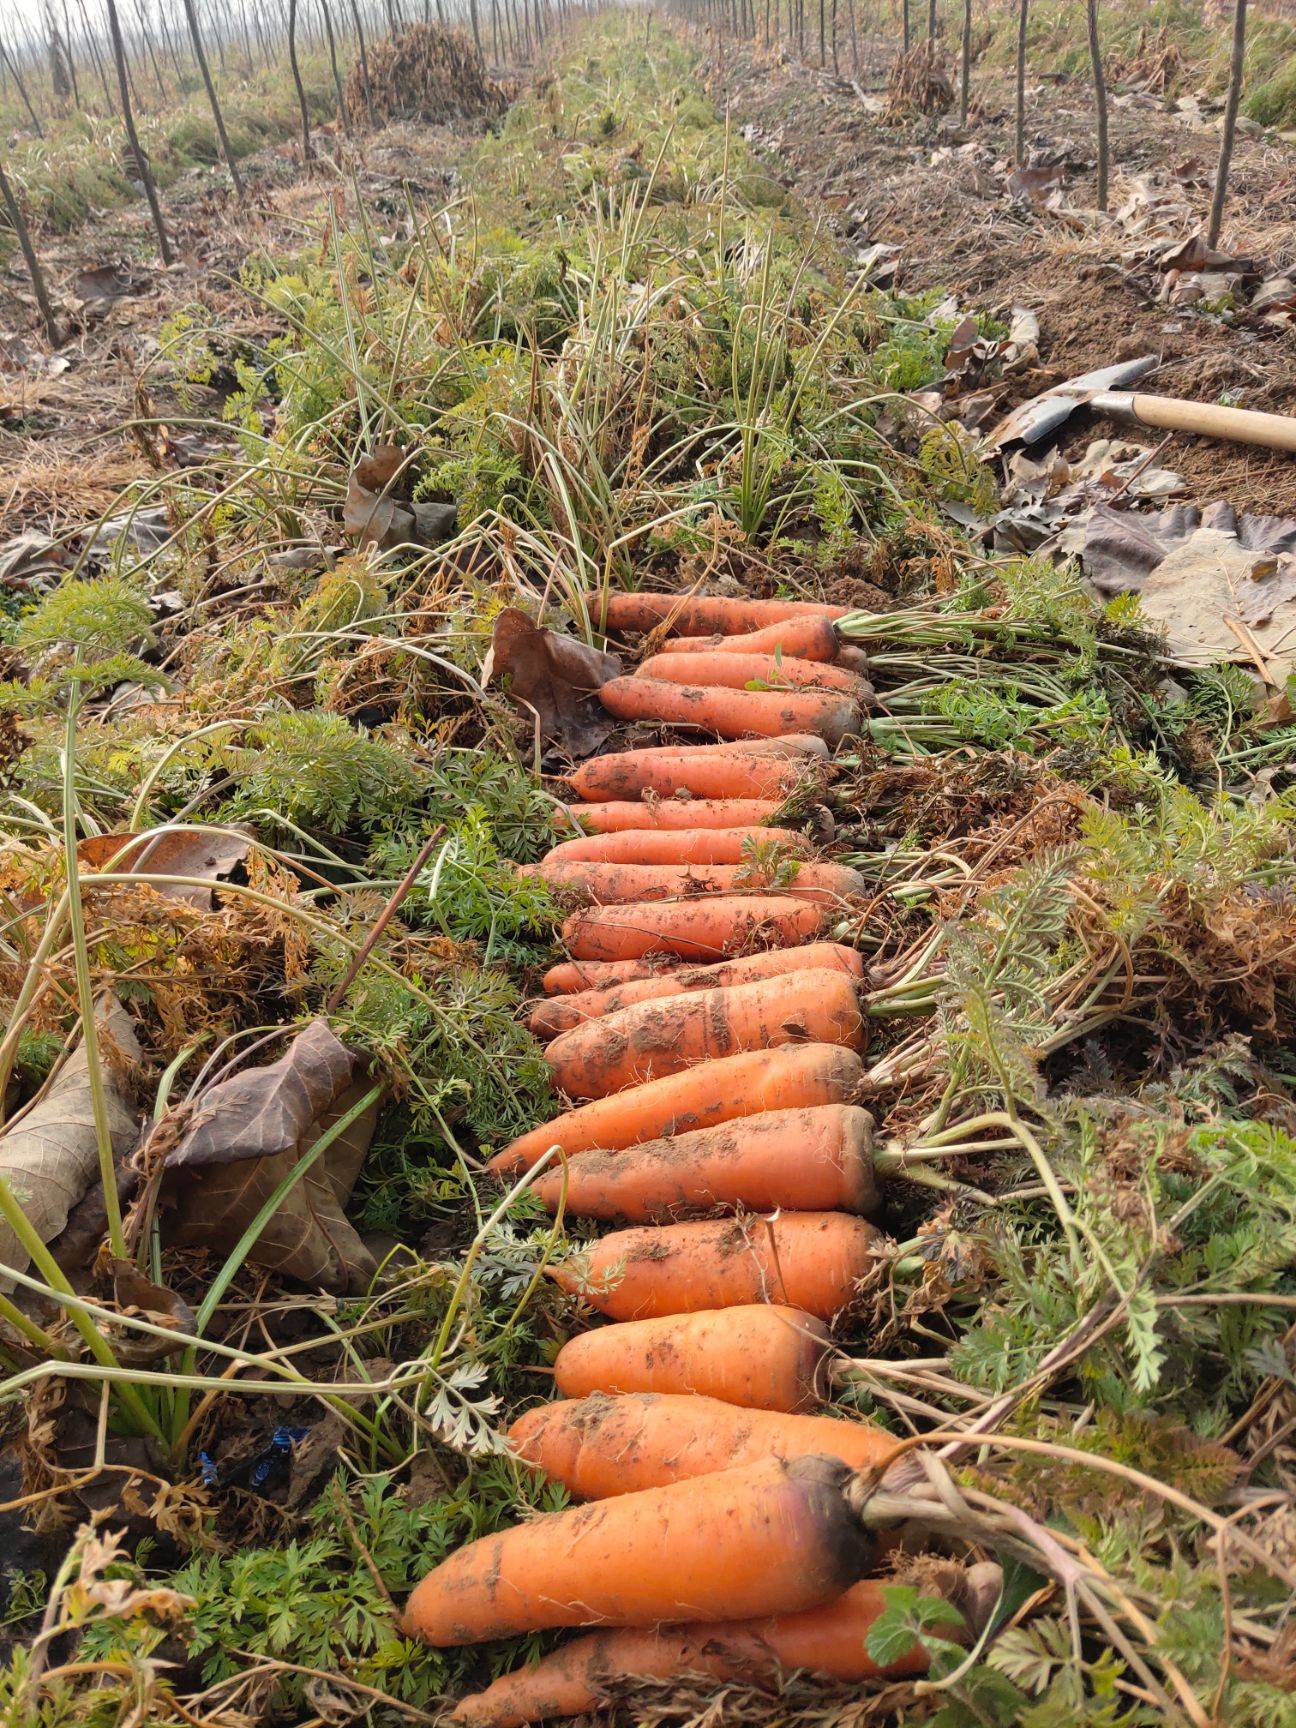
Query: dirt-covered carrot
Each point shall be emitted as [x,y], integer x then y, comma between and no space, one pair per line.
[699,614]
[701,770]
[733,713]
[809,1260]
[569,976]
[677,846]
[549,1018]
[804,638]
[731,671]
[767,1538]
[830,1642]
[709,927]
[760,1355]
[631,884]
[666,815]
[815,1160]
[650,1039]
[745,1085]
[605,1445]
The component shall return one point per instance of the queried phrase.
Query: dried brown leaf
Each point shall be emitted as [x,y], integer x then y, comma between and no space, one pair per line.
[552,679]
[246,1134]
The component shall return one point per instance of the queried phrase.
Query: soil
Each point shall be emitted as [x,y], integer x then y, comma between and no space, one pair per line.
[958,228]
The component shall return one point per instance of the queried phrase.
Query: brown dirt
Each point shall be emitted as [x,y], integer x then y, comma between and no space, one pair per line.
[958,229]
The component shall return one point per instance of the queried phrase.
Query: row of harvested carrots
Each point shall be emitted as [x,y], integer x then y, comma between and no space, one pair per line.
[709,1038]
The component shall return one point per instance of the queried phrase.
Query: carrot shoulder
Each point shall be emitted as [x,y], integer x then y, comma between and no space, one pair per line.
[612,884]
[701,771]
[767,1538]
[677,846]
[653,1038]
[830,1641]
[602,1446]
[759,1355]
[742,1085]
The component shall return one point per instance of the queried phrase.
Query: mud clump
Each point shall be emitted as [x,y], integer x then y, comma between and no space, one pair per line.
[425,73]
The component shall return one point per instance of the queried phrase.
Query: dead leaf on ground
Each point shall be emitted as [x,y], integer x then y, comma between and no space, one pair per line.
[214,854]
[50,1154]
[141,1298]
[378,512]
[246,1134]
[551,678]
[101,284]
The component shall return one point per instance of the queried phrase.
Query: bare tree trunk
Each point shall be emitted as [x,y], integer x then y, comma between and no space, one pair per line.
[1019,146]
[476,27]
[148,44]
[1220,194]
[904,20]
[1100,99]
[967,63]
[71,54]
[12,64]
[56,55]
[227,151]
[33,262]
[95,56]
[307,152]
[931,20]
[333,62]
[137,149]
[364,62]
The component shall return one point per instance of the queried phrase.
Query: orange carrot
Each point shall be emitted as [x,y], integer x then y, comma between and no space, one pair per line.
[810,1260]
[743,1085]
[572,975]
[730,671]
[703,770]
[761,1355]
[547,1019]
[805,638]
[732,713]
[812,1160]
[706,928]
[767,1538]
[650,1039]
[677,846]
[698,614]
[669,814]
[603,1446]
[830,1642]
[631,884]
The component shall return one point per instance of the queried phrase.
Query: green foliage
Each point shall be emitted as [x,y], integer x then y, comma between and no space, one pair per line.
[321,774]
[102,617]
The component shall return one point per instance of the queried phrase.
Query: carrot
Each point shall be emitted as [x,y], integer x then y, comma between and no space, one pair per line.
[705,928]
[676,846]
[745,1085]
[569,976]
[732,671]
[762,1356]
[650,1039]
[631,884]
[547,1019]
[805,638]
[697,614]
[669,814]
[811,1160]
[704,770]
[767,1538]
[603,1446]
[732,713]
[830,1641]
[810,1260]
